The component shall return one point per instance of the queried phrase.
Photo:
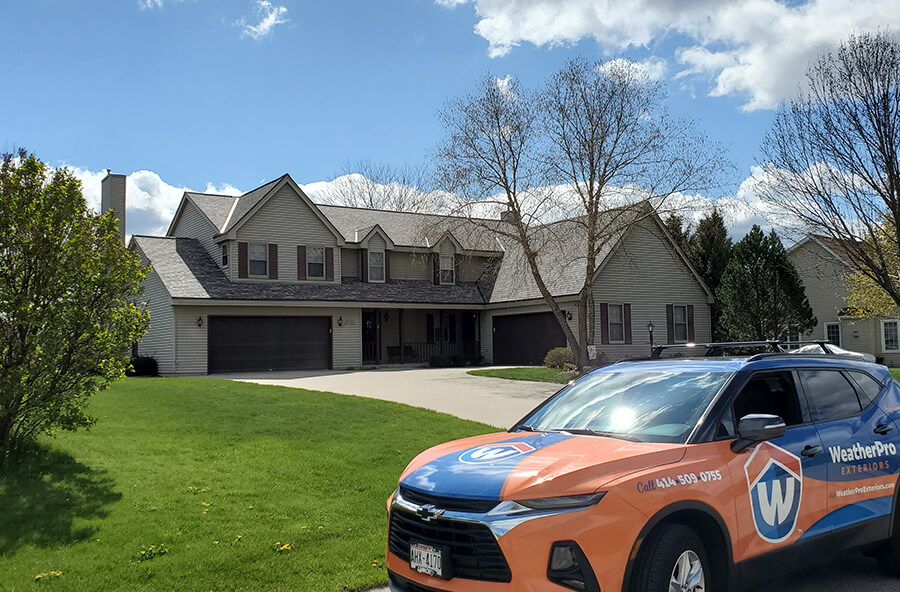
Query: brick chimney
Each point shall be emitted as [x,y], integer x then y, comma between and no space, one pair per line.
[112,197]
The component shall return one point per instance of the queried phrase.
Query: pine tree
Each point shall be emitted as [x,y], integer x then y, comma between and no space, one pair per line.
[761,295]
[709,252]
[679,232]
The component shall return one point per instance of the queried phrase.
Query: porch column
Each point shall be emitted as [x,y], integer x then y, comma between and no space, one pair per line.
[400,332]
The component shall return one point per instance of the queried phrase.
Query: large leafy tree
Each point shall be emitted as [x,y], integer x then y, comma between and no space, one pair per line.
[761,294]
[68,312]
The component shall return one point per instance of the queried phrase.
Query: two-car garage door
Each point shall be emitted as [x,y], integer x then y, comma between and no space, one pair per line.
[243,344]
[524,339]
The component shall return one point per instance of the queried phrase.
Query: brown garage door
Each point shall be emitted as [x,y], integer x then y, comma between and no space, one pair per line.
[524,339]
[238,344]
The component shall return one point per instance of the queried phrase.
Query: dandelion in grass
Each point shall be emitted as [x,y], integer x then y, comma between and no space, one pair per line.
[46,575]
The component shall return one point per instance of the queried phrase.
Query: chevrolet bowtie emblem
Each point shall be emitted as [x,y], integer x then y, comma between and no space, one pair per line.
[428,512]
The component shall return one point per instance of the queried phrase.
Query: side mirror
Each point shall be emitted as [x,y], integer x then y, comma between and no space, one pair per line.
[757,427]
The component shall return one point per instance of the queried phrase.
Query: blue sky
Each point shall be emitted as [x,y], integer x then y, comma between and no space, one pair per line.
[236,92]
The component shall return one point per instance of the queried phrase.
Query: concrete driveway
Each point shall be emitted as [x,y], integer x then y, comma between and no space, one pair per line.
[502,402]
[494,401]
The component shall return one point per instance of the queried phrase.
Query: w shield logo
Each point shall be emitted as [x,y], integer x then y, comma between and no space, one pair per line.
[775,481]
[494,452]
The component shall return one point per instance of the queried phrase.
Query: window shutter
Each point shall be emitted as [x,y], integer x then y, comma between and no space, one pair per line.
[364,258]
[604,323]
[301,262]
[626,318]
[670,324]
[273,262]
[243,260]
[329,264]
[456,260]
[690,320]
[436,263]
[387,266]
[429,328]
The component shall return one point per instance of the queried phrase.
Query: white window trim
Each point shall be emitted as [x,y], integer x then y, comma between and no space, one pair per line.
[609,322]
[883,349]
[226,255]
[840,332]
[441,269]
[250,260]
[309,276]
[383,267]
[687,325]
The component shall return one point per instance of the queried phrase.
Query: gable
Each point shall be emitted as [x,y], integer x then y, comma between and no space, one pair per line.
[822,274]
[288,219]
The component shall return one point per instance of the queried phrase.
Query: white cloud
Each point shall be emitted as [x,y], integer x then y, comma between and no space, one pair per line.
[269,16]
[757,49]
[655,68]
[151,4]
[450,3]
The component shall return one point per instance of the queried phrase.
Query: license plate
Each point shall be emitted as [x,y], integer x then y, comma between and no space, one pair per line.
[426,559]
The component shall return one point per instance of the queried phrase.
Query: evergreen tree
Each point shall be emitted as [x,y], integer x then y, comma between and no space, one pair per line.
[680,232]
[709,252]
[761,295]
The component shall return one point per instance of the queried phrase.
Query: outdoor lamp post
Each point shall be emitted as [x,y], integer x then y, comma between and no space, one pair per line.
[650,331]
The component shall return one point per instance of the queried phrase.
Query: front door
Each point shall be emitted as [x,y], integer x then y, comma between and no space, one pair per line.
[370,337]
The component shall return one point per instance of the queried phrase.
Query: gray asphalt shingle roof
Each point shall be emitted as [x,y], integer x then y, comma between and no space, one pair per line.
[214,207]
[187,271]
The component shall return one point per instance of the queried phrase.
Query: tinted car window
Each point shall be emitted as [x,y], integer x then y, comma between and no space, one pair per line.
[830,394]
[772,394]
[869,388]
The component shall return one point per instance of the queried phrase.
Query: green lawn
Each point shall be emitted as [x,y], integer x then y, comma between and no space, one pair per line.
[895,372]
[534,373]
[217,472]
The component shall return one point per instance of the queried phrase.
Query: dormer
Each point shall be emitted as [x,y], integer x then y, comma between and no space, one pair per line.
[375,247]
[445,256]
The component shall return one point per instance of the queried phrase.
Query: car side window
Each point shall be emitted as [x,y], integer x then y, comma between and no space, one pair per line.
[830,395]
[869,388]
[772,394]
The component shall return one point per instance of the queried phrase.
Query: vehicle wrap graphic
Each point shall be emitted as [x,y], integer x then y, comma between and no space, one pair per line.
[481,471]
[851,514]
[775,481]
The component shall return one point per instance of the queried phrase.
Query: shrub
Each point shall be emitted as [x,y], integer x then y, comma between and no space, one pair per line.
[458,360]
[558,357]
[143,366]
[474,359]
[440,362]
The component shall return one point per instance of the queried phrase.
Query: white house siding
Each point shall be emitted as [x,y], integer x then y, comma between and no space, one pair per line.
[287,221]
[350,263]
[487,323]
[159,341]
[411,266]
[194,224]
[646,272]
[191,341]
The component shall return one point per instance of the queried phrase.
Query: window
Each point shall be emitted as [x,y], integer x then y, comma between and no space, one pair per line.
[376,266]
[616,323]
[890,337]
[259,259]
[448,275]
[771,394]
[833,333]
[315,262]
[225,255]
[679,316]
[830,394]
[869,388]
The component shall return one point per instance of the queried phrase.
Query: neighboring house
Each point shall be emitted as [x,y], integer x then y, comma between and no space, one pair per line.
[270,280]
[823,263]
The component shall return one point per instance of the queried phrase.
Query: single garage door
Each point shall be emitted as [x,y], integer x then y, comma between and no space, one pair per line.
[524,339]
[239,344]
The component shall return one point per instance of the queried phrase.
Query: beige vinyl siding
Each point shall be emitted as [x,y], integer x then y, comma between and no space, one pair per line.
[194,224]
[159,341]
[411,266]
[822,277]
[191,345]
[646,272]
[486,323]
[350,263]
[287,221]
[448,249]
[376,243]
[471,268]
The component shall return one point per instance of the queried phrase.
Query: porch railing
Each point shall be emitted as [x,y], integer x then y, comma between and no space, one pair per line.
[423,351]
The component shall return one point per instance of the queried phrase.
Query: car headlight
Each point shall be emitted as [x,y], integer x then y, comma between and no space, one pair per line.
[569,502]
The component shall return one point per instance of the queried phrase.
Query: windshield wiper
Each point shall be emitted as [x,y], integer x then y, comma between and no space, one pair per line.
[526,428]
[589,432]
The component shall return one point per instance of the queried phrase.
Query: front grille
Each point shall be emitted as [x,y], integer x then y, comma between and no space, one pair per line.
[474,552]
[453,504]
[405,585]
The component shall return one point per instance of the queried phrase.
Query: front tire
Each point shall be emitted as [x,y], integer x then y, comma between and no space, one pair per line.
[673,560]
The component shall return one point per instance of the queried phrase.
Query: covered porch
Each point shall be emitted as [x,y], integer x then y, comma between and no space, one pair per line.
[412,335]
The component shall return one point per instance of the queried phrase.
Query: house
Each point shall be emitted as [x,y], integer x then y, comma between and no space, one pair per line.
[271,281]
[822,263]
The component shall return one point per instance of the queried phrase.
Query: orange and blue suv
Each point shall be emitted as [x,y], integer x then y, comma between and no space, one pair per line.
[660,475]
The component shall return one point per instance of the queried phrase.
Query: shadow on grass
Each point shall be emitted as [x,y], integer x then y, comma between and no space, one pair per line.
[43,493]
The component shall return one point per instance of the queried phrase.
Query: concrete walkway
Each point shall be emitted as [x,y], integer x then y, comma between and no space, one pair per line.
[494,401]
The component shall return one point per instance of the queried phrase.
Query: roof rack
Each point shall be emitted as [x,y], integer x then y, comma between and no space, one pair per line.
[715,349]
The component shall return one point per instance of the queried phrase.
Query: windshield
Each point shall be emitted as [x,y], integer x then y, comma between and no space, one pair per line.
[650,406]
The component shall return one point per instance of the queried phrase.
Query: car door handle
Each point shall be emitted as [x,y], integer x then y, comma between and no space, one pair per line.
[810,451]
[883,428]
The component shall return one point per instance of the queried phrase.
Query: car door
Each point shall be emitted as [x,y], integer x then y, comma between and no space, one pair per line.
[775,502]
[860,443]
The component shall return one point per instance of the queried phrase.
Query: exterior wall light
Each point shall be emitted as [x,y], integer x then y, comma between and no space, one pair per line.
[340,321]
[200,321]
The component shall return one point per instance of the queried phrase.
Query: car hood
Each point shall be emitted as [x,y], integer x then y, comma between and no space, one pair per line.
[527,465]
